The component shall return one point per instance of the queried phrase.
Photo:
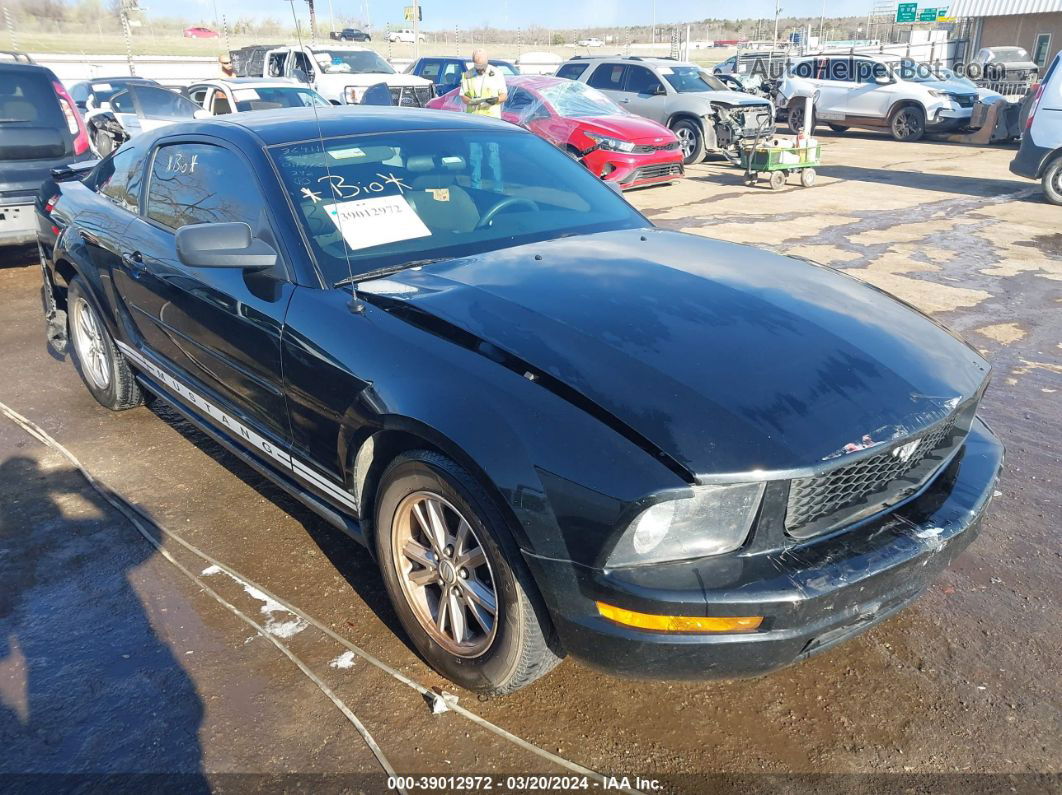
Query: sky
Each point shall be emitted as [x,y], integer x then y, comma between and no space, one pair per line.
[445,14]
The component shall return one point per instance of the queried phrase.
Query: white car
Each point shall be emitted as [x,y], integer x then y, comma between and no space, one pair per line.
[1040,155]
[901,95]
[405,35]
[591,42]
[236,95]
[342,73]
[138,108]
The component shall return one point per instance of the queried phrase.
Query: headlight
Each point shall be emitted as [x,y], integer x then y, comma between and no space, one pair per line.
[712,521]
[353,94]
[611,143]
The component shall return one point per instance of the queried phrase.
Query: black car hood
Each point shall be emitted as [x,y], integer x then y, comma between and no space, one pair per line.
[726,357]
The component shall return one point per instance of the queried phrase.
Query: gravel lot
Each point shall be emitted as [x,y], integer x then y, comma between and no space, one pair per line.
[112,660]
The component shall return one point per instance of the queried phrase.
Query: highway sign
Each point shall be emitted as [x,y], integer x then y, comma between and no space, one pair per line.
[906,12]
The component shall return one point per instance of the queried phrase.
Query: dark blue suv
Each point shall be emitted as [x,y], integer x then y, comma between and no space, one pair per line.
[445,71]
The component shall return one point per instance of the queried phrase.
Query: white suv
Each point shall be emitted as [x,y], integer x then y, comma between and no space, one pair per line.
[906,97]
[405,35]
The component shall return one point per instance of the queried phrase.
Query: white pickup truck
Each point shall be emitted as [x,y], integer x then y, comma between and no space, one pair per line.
[340,73]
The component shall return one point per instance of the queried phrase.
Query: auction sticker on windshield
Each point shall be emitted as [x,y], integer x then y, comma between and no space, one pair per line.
[365,223]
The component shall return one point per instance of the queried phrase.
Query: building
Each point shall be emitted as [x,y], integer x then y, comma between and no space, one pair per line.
[1035,25]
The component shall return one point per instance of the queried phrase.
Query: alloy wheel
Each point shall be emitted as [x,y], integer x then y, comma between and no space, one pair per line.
[88,340]
[687,141]
[908,124]
[444,574]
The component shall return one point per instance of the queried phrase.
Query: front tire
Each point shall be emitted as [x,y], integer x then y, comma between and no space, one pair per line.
[691,141]
[456,579]
[100,364]
[1052,181]
[908,124]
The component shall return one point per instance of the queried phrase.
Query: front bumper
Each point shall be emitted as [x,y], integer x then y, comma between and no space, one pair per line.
[811,596]
[18,224]
[949,118]
[632,171]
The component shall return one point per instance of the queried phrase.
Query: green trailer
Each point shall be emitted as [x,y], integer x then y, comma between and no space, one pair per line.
[779,161]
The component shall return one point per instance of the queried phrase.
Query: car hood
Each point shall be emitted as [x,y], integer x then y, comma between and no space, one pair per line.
[627,128]
[728,97]
[727,358]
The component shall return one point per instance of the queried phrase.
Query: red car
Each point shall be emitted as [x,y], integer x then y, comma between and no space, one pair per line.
[200,33]
[631,151]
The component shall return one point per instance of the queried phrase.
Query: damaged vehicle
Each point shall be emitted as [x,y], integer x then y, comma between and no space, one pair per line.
[559,429]
[137,108]
[706,115]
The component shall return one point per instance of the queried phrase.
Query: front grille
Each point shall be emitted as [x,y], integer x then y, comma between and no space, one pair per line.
[646,149]
[854,491]
[411,96]
[655,172]
[966,100]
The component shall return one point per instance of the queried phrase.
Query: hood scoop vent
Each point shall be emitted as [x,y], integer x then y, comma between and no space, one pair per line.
[435,325]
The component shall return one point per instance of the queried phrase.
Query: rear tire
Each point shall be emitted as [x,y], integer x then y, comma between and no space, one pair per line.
[796,117]
[1052,181]
[100,364]
[444,552]
[691,141]
[908,124]
[837,128]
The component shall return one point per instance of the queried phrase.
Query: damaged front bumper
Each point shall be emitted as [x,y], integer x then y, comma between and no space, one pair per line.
[812,596]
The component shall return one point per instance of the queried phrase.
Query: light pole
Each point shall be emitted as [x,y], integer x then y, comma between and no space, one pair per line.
[822,21]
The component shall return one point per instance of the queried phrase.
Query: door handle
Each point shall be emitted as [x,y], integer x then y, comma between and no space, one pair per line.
[134,260]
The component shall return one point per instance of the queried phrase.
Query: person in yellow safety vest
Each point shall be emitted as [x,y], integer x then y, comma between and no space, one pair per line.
[483,92]
[483,87]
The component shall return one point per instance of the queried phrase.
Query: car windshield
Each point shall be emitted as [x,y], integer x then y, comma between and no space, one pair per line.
[32,125]
[266,98]
[1009,54]
[688,79]
[574,100]
[502,67]
[383,200]
[355,62]
[104,90]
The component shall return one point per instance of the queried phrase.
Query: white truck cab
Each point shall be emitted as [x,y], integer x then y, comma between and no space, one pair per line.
[342,73]
[1040,155]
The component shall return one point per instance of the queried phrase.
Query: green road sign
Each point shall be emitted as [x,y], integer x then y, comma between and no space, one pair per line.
[942,13]
[928,15]
[906,12]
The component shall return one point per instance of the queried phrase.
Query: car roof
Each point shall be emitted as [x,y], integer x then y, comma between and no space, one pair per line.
[280,126]
[21,66]
[262,82]
[534,81]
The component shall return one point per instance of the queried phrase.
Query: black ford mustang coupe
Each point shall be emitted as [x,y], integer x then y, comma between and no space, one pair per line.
[560,429]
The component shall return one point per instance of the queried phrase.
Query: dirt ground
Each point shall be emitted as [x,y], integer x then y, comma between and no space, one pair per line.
[115,660]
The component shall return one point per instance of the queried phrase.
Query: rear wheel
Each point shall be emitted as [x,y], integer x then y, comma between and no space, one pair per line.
[691,141]
[908,124]
[777,179]
[837,128]
[99,363]
[456,579]
[1052,181]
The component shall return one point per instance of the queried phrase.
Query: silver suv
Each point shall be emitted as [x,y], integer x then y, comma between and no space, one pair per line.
[704,114]
[906,97]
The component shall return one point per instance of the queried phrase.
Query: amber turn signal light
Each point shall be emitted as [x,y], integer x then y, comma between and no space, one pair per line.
[630,618]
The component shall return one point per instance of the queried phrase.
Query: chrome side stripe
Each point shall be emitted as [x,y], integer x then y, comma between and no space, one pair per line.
[239,430]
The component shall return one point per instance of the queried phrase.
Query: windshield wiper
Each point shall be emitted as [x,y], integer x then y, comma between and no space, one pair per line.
[381,272]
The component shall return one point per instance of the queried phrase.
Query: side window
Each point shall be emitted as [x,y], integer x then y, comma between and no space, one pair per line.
[451,74]
[303,63]
[520,102]
[197,95]
[194,183]
[641,81]
[119,178]
[607,76]
[221,103]
[123,103]
[840,70]
[571,71]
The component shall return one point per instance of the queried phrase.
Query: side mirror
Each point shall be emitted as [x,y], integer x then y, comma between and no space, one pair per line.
[223,246]
[658,90]
[202,113]
[378,94]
